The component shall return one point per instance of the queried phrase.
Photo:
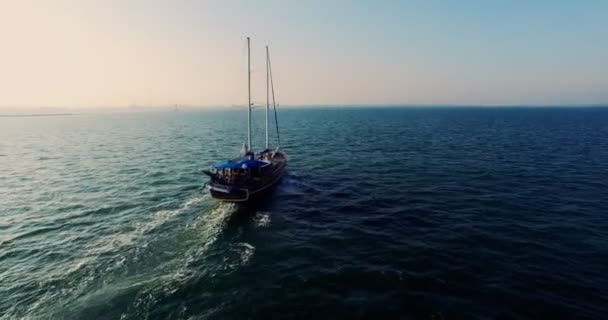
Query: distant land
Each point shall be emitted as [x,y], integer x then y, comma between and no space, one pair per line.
[17,115]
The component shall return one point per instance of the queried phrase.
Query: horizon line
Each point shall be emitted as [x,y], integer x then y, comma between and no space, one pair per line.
[135,108]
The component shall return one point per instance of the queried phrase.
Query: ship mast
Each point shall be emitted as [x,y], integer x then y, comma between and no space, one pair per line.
[267,97]
[248,96]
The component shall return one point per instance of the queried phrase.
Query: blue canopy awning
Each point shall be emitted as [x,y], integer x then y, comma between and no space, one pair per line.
[239,164]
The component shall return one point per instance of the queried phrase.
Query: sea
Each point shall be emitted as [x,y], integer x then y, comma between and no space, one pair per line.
[384,213]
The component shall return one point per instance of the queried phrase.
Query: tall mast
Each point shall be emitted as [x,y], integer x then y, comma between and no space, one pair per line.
[267,97]
[248,96]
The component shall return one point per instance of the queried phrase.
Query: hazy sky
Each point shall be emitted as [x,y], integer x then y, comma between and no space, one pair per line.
[113,53]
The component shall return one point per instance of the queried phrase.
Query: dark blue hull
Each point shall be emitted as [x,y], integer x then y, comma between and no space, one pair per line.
[248,189]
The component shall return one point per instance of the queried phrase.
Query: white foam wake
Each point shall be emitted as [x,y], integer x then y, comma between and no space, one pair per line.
[262,219]
[156,219]
[207,230]
[246,252]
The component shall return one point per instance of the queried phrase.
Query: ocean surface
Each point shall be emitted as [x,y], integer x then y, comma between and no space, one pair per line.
[409,213]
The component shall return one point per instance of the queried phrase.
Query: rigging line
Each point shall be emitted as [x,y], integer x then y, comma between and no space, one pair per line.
[274,105]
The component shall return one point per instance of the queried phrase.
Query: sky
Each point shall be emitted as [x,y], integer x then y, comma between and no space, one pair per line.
[89,53]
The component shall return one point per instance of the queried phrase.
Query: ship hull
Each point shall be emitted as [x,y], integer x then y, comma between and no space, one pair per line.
[249,190]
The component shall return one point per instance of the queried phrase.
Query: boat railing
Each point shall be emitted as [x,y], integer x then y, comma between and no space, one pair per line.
[229,180]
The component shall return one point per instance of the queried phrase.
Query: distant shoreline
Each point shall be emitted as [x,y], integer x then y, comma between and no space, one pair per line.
[35,115]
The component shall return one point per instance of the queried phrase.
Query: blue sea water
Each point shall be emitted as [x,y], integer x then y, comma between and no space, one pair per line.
[410,213]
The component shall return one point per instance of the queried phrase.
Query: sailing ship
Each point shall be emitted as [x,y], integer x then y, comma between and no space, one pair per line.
[251,174]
